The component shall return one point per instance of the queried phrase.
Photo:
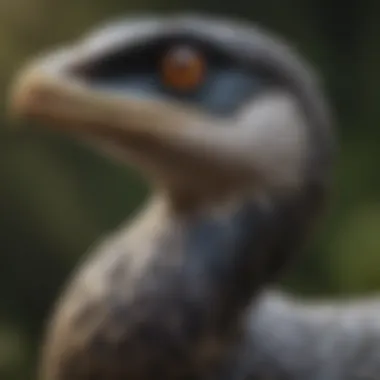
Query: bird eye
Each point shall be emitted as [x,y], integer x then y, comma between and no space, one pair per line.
[183,68]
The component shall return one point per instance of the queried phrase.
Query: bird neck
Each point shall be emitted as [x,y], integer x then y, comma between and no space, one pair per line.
[227,240]
[244,241]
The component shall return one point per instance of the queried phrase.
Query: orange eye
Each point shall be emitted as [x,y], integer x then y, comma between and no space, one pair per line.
[183,68]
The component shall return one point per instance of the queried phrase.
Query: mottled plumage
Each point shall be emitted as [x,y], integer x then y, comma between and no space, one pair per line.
[168,306]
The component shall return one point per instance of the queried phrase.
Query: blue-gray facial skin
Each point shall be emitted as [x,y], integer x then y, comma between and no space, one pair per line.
[222,92]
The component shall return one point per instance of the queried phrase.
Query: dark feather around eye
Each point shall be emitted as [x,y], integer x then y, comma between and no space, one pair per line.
[144,58]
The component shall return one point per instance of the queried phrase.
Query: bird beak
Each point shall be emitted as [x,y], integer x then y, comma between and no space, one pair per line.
[174,142]
[48,90]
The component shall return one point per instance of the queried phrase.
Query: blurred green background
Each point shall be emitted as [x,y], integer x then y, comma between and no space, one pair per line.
[57,197]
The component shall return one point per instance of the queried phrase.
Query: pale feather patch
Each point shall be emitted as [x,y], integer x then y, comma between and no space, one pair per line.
[272,134]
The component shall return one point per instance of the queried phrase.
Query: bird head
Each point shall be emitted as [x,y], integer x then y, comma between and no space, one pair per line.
[201,105]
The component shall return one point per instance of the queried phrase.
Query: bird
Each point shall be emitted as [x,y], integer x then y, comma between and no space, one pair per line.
[231,127]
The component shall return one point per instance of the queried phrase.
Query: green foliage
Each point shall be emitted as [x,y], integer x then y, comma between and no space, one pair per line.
[57,197]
